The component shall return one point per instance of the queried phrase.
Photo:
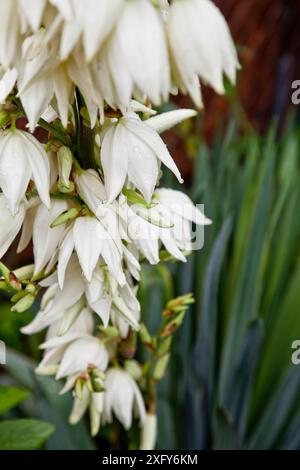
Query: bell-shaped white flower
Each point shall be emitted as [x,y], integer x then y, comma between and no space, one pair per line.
[134,60]
[201,46]
[130,148]
[122,397]
[55,344]
[41,78]
[93,241]
[82,354]
[93,20]
[22,158]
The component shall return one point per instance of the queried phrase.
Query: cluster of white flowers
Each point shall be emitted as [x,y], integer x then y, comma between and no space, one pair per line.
[94,212]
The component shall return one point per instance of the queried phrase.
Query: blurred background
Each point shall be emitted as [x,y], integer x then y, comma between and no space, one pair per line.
[230,383]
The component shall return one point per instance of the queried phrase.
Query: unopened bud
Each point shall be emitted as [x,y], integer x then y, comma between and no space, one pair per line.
[164,347]
[160,367]
[133,368]
[79,386]
[25,272]
[144,334]
[65,162]
[65,217]
[23,304]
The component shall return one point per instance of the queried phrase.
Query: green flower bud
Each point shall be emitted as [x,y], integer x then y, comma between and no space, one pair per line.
[65,162]
[24,303]
[160,367]
[65,217]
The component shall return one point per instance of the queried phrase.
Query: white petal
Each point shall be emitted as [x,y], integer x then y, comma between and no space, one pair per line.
[33,12]
[9,225]
[27,229]
[165,121]
[80,354]
[142,167]
[88,243]
[36,98]
[114,159]
[40,167]
[153,140]
[7,83]
[79,407]
[14,169]
[65,252]
[45,238]
[99,19]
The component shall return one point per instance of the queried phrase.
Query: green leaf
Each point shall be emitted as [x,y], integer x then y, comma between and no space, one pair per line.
[237,399]
[24,434]
[247,289]
[10,397]
[276,413]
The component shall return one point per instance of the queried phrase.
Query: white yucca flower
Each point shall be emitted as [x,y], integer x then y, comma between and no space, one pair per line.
[93,243]
[55,343]
[130,148]
[135,59]
[201,46]
[122,397]
[22,158]
[93,401]
[81,354]
[168,221]
[40,78]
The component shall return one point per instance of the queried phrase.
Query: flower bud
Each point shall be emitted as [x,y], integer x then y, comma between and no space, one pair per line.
[149,431]
[65,162]
[160,367]
[65,217]
[23,304]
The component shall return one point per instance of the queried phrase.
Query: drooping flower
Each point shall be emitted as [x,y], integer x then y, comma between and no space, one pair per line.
[126,66]
[122,397]
[201,46]
[130,148]
[22,158]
